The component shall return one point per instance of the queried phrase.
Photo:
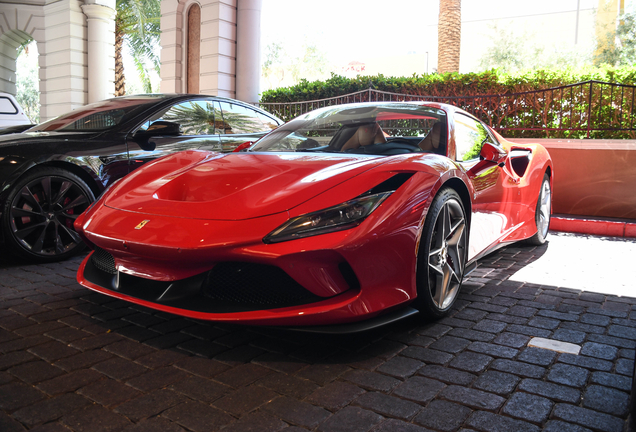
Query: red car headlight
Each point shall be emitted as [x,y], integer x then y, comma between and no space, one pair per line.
[337,218]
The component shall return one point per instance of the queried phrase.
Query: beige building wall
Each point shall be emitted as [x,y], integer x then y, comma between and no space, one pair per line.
[217,46]
[60,29]
[220,26]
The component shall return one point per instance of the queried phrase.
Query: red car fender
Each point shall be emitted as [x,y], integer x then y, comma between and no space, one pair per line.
[529,186]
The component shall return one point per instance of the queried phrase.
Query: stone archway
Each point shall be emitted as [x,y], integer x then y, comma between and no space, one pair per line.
[75,42]
[9,43]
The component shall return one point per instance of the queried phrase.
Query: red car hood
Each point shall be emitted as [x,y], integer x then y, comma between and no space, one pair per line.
[237,186]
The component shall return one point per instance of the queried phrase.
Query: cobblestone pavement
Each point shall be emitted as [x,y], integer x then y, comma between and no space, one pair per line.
[75,360]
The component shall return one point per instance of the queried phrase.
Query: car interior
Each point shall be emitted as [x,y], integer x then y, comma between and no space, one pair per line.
[371,138]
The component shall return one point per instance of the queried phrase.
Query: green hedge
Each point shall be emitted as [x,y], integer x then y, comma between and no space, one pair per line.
[449,84]
[608,111]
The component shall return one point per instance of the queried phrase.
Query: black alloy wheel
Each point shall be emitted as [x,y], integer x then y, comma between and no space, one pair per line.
[542,213]
[442,255]
[38,215]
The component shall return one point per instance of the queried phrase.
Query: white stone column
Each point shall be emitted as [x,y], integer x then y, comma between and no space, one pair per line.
[217,67]
[63,71]
[218,48]
[248,50]
[100,16]
[172,46]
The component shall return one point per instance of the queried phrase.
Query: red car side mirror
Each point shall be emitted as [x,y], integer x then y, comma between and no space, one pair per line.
[243,146]
[492,153]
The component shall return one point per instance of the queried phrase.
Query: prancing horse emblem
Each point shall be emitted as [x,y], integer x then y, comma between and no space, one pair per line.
[142,224]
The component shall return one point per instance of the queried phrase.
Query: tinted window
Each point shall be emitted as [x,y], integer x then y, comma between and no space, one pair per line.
[243,120]
[268,121]
[197,117]
[469,137]
[6,106]
[100,115]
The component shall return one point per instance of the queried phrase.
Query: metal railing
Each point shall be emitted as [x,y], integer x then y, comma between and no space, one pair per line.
[590,109]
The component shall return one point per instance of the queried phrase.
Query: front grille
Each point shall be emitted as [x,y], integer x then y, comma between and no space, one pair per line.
[103,261]
[254,284]
[229,287]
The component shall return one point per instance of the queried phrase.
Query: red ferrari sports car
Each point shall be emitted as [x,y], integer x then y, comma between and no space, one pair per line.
[354,214]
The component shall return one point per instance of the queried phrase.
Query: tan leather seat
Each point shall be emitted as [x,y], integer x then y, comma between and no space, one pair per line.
[365,135]
[432,141]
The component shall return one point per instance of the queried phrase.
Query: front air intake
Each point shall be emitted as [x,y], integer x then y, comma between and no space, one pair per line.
[254,284]
[104,261]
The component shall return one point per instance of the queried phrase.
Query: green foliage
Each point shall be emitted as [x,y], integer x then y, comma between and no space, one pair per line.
[310,62]
[511,52]
[195,118]
[27,86]
[506,51]
[563,113]
[138,22]
[622,49]
[274,54]
[492,82]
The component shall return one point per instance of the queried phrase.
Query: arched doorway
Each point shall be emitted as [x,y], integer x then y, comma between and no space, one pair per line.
[10,42]
[194,48]
[27,80]
[228,57]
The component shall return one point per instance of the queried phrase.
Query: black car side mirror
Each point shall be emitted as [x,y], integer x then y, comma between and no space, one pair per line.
[158,128]
[492,153]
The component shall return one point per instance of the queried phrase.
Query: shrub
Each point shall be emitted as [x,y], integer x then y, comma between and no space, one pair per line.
[579,111]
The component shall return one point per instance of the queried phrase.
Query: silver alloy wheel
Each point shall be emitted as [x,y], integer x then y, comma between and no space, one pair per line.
[447,254]
[42,215]
[545,202]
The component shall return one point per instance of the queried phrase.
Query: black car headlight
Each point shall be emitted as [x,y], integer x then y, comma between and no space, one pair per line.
[337,218]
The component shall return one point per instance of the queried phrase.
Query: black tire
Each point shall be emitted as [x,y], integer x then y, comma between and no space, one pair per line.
[37,218]
[542,213]
[442,255]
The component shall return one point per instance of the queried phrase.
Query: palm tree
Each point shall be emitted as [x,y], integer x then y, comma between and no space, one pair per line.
[202,118]
[137,25]
[449,32]
[199,118]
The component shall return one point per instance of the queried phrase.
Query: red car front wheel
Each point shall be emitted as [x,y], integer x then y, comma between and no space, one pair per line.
[442,255]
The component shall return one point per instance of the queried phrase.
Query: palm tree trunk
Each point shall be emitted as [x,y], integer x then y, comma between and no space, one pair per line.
[120,80]
[449,33]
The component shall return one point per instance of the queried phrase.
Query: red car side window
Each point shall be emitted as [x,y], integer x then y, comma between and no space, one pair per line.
[469,137]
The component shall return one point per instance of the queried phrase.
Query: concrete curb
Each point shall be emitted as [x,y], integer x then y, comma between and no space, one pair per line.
[589,225]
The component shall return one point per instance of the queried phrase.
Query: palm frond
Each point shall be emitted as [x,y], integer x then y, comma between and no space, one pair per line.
[138,23]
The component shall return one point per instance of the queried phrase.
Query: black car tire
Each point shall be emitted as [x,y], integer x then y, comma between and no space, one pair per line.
[442,255]
[542,213]
[37,218]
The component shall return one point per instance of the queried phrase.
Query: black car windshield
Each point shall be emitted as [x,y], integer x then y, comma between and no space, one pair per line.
[374,128]
[99,116]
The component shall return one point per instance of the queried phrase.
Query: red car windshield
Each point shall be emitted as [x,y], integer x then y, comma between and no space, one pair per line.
[98,116]
[375,129]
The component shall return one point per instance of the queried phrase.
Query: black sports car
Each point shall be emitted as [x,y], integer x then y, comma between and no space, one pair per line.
[15,129]
[53,172]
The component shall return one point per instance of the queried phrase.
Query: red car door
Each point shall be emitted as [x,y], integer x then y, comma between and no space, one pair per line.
[496,196]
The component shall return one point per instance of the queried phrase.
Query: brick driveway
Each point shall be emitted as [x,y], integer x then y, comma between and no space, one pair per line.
[76,360]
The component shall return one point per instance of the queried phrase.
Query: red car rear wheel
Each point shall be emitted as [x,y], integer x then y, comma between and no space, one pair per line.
[542,213]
